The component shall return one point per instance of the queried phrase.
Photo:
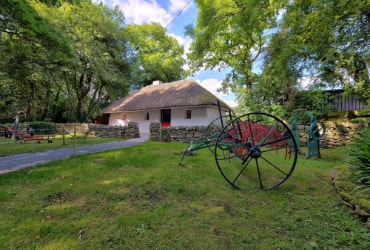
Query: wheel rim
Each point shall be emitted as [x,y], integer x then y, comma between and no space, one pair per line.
[213,130]
[256,148]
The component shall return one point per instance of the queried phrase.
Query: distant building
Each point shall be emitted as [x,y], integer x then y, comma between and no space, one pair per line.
[180,103]
[343,103]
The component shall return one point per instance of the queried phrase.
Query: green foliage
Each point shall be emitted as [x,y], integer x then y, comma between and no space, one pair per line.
[99,70]
[365,112]
[43,128]
[324,40]
[28,44]
[270,46]
[19,19]
[360,158]
[231,34]
[158,55]
[315,101]
[61,60]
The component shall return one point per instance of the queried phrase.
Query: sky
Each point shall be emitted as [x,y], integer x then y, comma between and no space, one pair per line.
[173,15]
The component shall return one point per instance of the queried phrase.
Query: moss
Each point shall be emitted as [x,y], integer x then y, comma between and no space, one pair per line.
[349,191]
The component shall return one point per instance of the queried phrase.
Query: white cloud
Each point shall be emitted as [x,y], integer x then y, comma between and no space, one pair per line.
[177,5]
[147,11]
[142,11]
[212,84]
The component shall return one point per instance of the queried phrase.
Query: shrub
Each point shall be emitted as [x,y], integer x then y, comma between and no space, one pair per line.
[359,158]
[46,128]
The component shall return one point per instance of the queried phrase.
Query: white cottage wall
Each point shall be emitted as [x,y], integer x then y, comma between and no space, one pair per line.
[141,119]
[200,116]
[122,119]
[213,113]
[117,119]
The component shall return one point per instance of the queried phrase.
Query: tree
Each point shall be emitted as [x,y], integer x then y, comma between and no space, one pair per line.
[286,40]
[98,71]
[231,34]
[157,56]
[327,41]
[27,44]
[61,57]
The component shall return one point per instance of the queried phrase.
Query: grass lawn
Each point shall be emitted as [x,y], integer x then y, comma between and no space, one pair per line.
[10,147]
[139,198]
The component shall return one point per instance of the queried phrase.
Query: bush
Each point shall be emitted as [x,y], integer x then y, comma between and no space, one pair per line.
[359,158]
[315,101]
[45,128]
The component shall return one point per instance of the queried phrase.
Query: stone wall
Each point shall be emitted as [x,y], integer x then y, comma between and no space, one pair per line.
[176,134]
[126,132]
[155,131]
[337,133]
[69,127]
[340,134]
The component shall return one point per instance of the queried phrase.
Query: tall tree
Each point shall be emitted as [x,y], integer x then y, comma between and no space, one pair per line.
[61,52]
[27,44]
[157,56]
[325,40]
[98,71]
[231,34]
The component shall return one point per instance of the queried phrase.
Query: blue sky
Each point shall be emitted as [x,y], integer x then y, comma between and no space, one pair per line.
[163,12]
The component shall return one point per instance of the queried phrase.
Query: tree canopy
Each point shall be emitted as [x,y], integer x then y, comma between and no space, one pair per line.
[27,45]
[271,46]
[63,60]
[99,69]
[231,34]
[158,56]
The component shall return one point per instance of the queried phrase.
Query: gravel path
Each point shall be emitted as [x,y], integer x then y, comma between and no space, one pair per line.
[16,162]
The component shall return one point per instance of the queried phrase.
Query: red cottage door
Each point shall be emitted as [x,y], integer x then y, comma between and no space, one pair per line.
[166,117]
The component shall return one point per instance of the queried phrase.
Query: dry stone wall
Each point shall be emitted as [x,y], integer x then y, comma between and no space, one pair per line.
[155,131]
[337,133]
[176,134]
[340,134]
[69,127]
[126,132]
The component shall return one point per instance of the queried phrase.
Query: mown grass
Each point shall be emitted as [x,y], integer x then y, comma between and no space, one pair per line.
[11,147]
[139,198]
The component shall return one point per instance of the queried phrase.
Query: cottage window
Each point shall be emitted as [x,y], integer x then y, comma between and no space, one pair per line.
[147,116]
[188,114]
[124,117]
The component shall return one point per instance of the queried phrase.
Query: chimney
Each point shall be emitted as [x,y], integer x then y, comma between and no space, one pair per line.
[158,82]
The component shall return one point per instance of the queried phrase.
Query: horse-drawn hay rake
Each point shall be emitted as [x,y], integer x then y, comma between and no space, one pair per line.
[255,147]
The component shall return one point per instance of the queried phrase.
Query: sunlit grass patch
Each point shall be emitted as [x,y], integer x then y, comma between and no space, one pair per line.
[140,198]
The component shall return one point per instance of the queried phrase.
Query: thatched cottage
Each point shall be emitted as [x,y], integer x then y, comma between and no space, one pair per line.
[180,103]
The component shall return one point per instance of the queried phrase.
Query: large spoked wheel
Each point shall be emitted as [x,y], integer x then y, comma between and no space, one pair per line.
[256,148]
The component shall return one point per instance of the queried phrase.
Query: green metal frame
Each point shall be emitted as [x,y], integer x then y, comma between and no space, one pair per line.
[315,133]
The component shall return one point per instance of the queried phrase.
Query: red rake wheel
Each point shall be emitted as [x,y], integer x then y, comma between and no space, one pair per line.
[256,148]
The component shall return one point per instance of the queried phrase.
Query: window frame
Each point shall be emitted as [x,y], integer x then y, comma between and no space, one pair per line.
[188,114]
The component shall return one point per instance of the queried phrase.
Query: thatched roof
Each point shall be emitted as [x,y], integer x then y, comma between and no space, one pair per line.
[184,93]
